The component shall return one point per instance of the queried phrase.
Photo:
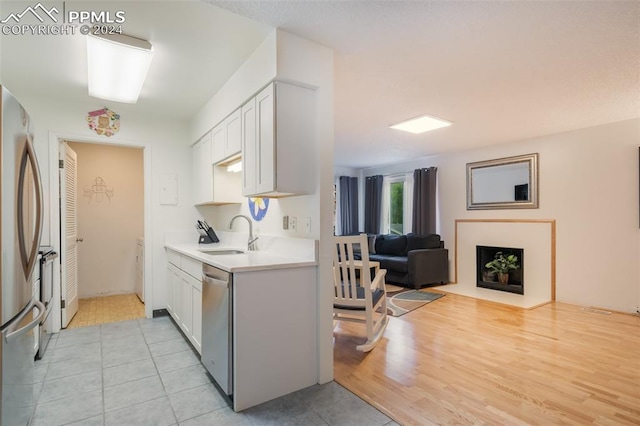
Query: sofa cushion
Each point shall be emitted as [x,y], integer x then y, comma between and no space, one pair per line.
[391,244]
[372,243]
[391,263]
[416,242]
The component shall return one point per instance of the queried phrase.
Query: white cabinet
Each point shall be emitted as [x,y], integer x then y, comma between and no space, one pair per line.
[213,184]
[184,296]
[196,304]
[249,148]
[278,142]
[219,140]
[173,281]
[233,144]
[185,290]
[227,140]
[202,171]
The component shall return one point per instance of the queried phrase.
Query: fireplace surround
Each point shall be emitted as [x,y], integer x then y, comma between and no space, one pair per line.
[486,279]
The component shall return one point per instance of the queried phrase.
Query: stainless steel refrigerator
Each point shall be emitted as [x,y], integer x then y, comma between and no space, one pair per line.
[21,217]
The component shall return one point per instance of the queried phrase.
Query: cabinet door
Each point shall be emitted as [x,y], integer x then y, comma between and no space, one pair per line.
[249,149]
[266,160]
[234,133]
[202,171]
[173,280]
[219,143]
[187,312]
[196,304]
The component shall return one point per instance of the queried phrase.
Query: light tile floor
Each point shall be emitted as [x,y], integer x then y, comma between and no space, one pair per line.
[142,372]
[107,309]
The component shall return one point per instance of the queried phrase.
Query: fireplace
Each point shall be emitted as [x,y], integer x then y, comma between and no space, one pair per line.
[486,278]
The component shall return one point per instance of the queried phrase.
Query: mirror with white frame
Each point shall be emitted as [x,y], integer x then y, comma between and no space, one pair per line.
[503,183]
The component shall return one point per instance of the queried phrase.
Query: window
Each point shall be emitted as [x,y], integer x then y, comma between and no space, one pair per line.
[396,206]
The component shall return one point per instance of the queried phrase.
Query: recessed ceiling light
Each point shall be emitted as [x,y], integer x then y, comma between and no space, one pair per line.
[421,124]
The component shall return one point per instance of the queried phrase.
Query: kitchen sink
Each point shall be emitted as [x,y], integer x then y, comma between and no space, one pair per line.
[221,252]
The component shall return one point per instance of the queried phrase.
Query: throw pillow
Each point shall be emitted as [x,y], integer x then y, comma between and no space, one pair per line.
[416,242]
[394,245]
[372,244]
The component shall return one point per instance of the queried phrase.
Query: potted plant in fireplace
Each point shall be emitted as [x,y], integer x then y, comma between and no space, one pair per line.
[501,265]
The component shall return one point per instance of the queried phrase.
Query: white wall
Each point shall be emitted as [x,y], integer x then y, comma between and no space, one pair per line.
[109,225]
[589,184]
[165,151]
[254,74]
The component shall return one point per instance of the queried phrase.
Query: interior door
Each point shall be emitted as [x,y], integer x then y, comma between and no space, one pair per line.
[69,230]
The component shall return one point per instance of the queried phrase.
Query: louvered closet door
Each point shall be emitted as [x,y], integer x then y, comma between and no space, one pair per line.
[69,242]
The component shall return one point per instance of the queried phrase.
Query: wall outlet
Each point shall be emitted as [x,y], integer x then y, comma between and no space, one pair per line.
[307,225]
[285,222]
[293,223]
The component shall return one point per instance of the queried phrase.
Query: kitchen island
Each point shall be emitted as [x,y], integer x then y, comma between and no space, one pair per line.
[272,322]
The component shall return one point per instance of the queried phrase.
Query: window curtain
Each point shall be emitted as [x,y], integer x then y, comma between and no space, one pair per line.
[372,204]
[348,202]
[408,202]
[424,200]
[386,201]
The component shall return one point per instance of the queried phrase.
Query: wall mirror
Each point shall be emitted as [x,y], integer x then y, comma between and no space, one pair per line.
[503,183]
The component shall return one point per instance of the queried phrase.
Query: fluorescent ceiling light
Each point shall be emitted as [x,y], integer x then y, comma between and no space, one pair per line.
[421,124]
[118,65]
[235,167]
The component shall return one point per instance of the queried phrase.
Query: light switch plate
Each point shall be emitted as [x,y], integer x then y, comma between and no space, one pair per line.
[307,225]
[285,222]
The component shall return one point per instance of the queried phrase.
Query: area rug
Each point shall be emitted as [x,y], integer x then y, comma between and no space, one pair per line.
[401,300]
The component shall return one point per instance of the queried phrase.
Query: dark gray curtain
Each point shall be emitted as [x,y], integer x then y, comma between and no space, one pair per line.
[424,201]
[349,205]
[372,204]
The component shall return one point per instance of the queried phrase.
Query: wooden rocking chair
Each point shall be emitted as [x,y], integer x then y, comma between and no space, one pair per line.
[356,296]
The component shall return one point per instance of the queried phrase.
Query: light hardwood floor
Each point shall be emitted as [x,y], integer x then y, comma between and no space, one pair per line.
[459,360]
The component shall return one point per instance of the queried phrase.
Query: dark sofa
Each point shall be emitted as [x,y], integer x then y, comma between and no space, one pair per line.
[411,260]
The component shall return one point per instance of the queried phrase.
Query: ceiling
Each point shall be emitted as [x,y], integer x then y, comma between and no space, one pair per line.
[501,71]
[196,49]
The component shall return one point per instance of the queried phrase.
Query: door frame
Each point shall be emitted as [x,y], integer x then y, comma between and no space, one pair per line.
[54,212]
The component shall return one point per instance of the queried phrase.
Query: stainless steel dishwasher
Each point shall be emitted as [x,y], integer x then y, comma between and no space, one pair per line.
[217,326]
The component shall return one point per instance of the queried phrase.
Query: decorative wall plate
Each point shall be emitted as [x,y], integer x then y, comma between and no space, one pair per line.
[104,122]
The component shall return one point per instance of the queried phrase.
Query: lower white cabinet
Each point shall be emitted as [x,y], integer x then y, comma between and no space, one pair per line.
[184,296]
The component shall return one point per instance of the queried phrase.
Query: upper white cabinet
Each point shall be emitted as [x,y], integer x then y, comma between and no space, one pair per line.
[212,184]
[202,171]
[278,142]
[227,140]
[249,153]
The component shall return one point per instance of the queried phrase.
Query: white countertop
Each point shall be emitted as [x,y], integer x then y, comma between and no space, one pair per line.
[247,261]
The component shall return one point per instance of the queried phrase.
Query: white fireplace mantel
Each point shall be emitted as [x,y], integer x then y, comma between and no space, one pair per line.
[535,236]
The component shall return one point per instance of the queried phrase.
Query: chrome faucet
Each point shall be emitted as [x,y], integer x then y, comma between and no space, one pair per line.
[251,246]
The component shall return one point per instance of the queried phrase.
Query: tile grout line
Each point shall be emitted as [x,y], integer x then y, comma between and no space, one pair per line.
[153,360]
